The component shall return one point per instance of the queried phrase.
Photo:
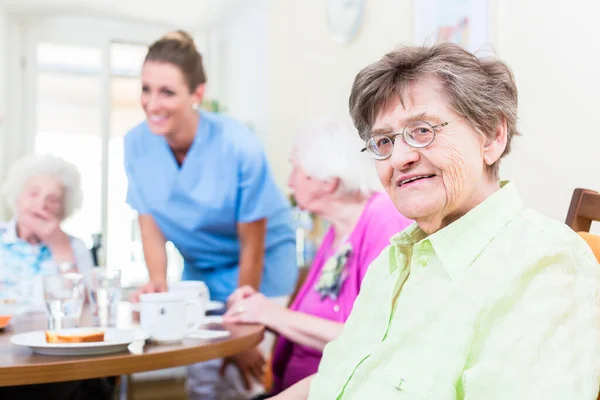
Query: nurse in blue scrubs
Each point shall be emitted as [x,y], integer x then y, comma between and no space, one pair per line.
[202,181]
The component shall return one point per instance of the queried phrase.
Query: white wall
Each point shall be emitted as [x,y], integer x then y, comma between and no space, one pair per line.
[3,97]
[93,30]
[310,75]
[551,47]
[553,50]
[242,76]
[3,55]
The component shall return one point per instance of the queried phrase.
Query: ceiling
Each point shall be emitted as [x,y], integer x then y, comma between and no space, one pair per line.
[186,14]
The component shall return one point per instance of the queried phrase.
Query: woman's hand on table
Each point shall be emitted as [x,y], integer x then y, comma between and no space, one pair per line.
[150,287]
[240,294]
[255,309]
[251,364]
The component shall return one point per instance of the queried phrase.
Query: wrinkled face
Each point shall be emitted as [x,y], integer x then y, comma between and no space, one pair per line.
[42,193]
[166,97]
[443,181]
[311,194]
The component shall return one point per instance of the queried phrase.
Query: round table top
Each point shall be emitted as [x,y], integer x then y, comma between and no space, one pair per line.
[19,366]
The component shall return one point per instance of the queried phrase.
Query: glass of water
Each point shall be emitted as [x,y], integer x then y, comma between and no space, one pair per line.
[64,295]
[105,294]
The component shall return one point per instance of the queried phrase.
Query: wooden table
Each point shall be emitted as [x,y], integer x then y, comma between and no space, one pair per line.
[19,366]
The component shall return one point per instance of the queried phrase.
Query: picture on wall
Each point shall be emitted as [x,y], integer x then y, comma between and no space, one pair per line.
[464,22]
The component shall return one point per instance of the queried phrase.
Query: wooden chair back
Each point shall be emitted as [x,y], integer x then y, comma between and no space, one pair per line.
[584,209]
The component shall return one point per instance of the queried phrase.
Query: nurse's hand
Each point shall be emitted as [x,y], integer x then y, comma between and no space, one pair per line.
[240,294]
[251,364]
[150,287]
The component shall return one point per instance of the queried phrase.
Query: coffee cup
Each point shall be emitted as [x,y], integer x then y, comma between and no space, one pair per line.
[197,296]
[165,317]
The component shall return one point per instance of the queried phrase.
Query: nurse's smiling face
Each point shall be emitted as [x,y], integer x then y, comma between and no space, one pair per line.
[166,98]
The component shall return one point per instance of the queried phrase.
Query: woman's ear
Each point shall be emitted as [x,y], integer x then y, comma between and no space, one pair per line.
[332,185]
[494,148]
[199,94]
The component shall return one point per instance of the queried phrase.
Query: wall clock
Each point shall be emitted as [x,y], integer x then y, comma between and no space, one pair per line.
[344,18]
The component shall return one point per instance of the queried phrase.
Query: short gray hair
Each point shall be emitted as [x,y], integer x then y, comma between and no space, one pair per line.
[483,90]
[33,165]
[328,148]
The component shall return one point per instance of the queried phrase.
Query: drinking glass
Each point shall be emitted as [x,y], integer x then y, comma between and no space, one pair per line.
[105,294]
[64,295]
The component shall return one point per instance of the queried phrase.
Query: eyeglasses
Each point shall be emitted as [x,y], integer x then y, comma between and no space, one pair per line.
[417,134]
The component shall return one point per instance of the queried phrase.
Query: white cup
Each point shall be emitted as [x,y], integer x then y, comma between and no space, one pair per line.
[196,294]
[164,317]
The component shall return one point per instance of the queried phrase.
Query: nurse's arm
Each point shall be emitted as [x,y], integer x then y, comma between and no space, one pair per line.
[252,252]
[155,253]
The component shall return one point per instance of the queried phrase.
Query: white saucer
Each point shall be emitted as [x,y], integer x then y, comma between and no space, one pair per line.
[115,341]
[213,319]
[207,334]
[212,305]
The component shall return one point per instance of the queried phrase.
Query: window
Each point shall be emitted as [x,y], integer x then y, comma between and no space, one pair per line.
[68,124]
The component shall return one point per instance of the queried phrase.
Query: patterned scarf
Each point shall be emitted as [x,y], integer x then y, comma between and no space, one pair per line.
[334,273]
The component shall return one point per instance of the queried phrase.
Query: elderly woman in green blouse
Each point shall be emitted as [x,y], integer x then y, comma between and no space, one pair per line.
[481,298]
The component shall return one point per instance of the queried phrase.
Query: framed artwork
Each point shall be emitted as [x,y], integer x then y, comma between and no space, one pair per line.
[464,22]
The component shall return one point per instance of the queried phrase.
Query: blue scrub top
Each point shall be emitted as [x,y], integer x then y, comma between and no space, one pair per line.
[224,180]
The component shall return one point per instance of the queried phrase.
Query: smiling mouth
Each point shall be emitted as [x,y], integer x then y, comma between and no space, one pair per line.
[414,179]
[157,119]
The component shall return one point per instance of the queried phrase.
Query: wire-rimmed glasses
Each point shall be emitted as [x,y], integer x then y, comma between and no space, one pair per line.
[417,134]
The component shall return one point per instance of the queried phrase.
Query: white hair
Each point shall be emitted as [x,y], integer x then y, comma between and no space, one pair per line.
[33,165]
[329,148]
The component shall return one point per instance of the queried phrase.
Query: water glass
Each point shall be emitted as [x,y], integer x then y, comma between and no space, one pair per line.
[105,294]
[64,295]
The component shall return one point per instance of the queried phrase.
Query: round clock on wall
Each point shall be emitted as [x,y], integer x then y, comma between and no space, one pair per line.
[344,18]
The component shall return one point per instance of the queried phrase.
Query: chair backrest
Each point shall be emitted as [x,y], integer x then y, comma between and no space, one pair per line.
[584,208]
[593,241]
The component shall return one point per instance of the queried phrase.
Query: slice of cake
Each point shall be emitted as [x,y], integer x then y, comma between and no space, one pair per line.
[56,337]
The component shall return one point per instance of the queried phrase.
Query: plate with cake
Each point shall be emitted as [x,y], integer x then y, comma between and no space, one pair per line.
[79,341]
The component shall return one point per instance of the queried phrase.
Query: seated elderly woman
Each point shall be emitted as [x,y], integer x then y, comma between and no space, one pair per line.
[481,298]
[338,184]
[43,190]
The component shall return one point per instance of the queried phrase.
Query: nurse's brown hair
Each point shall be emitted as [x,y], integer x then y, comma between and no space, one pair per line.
[178,48]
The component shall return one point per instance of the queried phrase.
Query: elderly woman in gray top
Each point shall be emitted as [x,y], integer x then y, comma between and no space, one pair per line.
[42,191]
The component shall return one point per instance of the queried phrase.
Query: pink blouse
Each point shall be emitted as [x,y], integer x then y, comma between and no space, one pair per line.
[378,222]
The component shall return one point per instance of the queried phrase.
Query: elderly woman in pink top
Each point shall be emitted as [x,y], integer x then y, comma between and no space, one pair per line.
[337,183]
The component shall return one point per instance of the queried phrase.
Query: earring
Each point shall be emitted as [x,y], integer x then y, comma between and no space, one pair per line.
[195,106]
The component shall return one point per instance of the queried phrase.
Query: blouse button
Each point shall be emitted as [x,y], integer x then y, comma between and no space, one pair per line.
[336,308]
